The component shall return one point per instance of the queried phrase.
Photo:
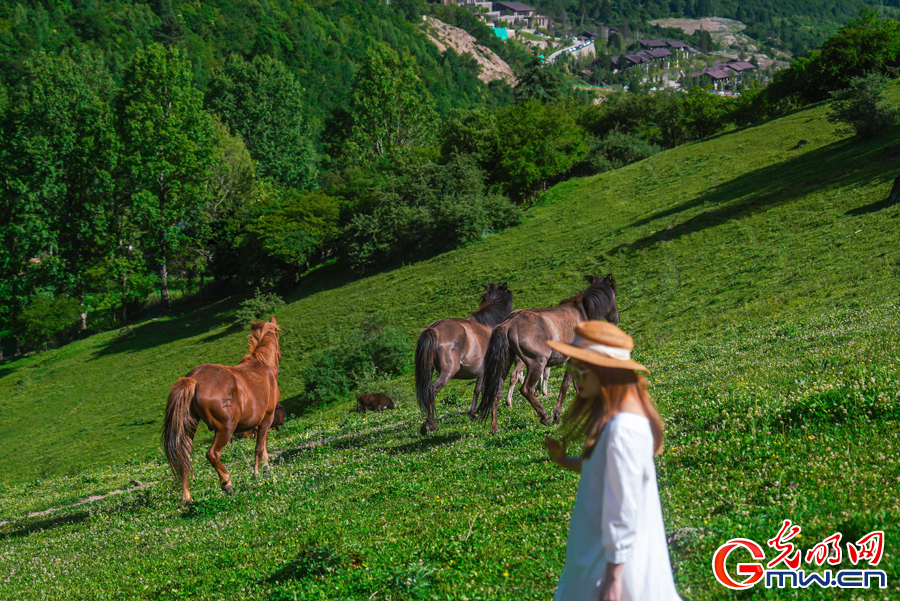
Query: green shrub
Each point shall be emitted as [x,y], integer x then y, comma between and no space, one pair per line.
[422,209]
[258,307]
[336,372]
[862,106]
[46,318]
[618,149]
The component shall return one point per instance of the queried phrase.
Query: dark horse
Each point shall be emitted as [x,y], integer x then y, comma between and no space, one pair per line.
[228,400]
[524,335]
[455,348]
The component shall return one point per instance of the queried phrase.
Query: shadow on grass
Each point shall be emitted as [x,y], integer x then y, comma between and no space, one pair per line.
[871,208]
[151,334]
[296,407]
[47,524]
[837,165]
[430,442]
[309,563]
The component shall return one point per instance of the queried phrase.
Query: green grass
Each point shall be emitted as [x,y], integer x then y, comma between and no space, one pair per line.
[760,284]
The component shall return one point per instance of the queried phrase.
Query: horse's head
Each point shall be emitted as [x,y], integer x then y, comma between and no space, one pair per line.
[496,304]
[264,345]
[599,300]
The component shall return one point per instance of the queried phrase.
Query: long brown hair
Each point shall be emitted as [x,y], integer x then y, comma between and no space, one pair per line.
[586,417]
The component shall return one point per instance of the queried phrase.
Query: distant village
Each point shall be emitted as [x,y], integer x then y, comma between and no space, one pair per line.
[666,62]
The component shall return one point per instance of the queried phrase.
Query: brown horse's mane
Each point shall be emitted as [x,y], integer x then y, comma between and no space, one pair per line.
[496,305]
[595,298]
[263,344]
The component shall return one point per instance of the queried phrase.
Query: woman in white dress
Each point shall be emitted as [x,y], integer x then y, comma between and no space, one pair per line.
[616,548]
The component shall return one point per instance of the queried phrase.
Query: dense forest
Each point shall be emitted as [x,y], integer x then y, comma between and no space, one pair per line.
[321,43]
[155,153]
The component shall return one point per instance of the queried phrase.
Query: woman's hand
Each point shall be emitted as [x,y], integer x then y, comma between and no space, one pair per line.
[611,589]
[557,452]
[555,448]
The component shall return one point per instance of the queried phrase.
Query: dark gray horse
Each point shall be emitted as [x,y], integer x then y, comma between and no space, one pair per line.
[524,335]
[456,349]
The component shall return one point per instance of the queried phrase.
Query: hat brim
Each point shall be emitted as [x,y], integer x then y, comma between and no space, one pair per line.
[589,356]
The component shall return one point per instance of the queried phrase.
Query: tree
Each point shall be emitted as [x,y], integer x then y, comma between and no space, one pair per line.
[604,15]
[295,226]
[706,43]
[167,136]
[704,113]
[392,111]
[262,103]
[539,142]
[703,9]
[539,82]
[475,132]
[422,208]
[863,107]
[615,42]
[63,154]
[864,45]
[46,317]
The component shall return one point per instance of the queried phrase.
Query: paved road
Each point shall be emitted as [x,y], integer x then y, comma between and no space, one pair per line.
[576,49]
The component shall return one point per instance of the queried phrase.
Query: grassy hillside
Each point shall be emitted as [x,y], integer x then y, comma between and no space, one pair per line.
[760,283]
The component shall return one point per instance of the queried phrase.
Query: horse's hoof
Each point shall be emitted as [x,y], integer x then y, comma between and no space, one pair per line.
[555,416]
[545,421]
[228,488]
[472,415]
[493,431]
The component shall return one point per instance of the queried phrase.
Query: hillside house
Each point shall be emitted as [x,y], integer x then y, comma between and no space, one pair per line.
[650,44]
[724,76]
[660,56]
[679,49]
[516,12]
[643,59]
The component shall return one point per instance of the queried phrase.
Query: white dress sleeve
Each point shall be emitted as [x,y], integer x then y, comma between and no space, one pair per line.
[622,492]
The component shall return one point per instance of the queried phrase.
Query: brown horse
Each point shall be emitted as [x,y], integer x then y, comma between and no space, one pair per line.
[455,348]
[524,335]
[228,400]
[277,421]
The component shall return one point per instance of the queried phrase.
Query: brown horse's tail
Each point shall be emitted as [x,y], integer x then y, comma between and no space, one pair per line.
[426,349]
[179,428]
[496,367]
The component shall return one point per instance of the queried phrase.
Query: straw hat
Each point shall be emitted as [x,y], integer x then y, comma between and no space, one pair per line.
[600,343]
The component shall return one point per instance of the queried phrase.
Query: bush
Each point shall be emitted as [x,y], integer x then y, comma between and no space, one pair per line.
[862,106]
[336,372]
[423,209]
[257,308]
[46,318]
[619,149]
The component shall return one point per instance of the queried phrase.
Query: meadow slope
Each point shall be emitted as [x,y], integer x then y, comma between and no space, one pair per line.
[760,281]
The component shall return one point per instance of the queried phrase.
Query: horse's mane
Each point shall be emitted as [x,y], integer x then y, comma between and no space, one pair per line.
[263,344]
[496,305]
[596,297]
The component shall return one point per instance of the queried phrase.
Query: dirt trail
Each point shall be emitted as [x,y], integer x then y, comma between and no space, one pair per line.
[136,486]
[446,36]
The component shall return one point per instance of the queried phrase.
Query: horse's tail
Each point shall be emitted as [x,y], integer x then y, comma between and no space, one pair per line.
[426,349]
[179,428]
[496,367]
